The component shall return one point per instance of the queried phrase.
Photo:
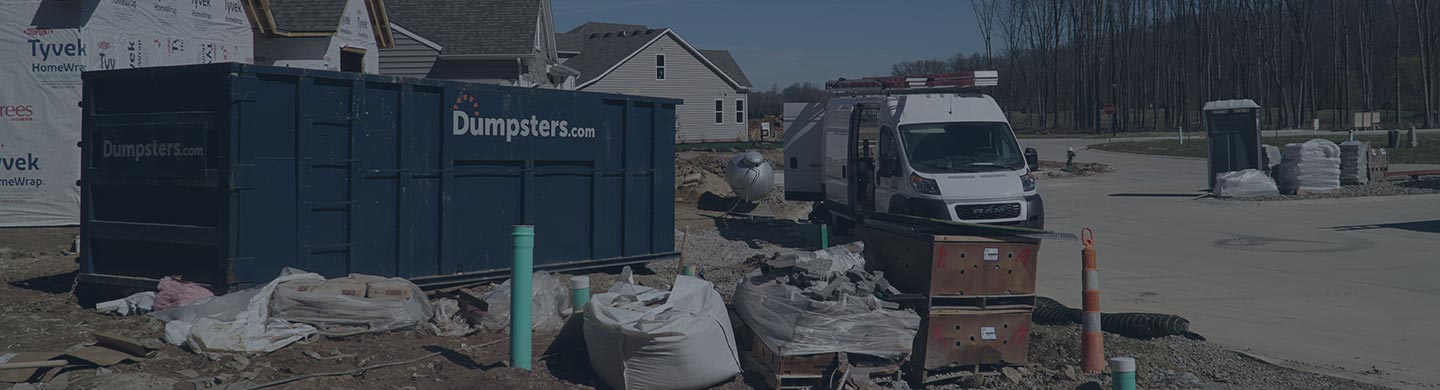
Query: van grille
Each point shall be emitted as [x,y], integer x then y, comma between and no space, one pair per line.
[987,211]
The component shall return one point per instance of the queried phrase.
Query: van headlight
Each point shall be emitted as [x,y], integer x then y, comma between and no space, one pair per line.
[1027,182]
[923,185]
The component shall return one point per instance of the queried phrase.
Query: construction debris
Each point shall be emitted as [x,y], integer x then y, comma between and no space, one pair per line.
[448,320]
[549,308]
[138,303]
[1244,184]
[823,302]
[175,293]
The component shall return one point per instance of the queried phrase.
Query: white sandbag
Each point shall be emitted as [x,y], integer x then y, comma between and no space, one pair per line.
[636,341]
[548,309]
[338,312]
[1244,184]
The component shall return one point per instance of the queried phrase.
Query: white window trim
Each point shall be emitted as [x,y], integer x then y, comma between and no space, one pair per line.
[658,59]
[720,111]
[740,107]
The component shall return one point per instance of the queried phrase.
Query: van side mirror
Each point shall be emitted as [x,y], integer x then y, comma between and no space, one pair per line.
[1032,158]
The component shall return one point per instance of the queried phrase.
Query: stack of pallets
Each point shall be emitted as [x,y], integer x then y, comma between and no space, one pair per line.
[978,294]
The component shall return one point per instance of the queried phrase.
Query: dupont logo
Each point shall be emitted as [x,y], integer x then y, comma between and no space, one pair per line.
[468,120]
[17,112]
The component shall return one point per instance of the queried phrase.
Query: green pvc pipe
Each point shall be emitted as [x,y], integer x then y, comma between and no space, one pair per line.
[689,270]
[1122,373]
[521,294]
[579,292]
[824,236]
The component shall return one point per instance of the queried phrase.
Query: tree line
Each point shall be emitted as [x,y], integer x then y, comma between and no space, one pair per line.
[1159,61]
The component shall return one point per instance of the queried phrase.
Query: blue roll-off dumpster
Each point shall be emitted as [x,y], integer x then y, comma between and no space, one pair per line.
[226,173]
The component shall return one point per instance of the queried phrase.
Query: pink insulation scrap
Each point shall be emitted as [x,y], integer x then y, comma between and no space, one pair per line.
[174,293]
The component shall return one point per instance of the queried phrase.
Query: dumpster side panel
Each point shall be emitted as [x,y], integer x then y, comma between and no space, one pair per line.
[339,173]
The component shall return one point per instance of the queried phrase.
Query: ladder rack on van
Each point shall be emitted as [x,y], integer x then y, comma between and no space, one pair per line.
[898,85]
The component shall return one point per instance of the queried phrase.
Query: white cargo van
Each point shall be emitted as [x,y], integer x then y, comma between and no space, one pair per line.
[928,146]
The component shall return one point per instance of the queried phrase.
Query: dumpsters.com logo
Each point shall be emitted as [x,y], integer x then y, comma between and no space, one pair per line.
[467,120]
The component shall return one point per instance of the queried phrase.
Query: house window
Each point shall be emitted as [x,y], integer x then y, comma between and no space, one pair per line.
[719,111]
[659,66]
[739,110]
[352,60]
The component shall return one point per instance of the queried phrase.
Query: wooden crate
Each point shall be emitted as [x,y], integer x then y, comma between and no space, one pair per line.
[813,371]
[948,265]
[968,340]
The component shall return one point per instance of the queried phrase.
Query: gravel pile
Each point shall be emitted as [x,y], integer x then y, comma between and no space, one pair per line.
[1164,363]
[1055,169]
[1378,188]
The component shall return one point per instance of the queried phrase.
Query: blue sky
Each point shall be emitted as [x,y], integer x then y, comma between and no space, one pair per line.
[784,41]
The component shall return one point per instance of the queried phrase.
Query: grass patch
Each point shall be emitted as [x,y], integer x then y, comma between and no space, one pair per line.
[1427,153]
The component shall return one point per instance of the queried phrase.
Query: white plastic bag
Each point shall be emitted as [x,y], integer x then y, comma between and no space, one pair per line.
[548,310]
[1244,184]
[683,343]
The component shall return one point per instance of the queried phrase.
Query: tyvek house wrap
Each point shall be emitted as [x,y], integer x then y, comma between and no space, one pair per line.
[45,44]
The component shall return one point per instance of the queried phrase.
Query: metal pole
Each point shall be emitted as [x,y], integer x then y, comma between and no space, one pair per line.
[1091,342]
[521,295]
[1122,373]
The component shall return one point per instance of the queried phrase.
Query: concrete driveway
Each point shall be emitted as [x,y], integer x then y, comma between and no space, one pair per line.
[1344,285]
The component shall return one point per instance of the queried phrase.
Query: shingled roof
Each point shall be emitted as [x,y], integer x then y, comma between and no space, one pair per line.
[603,45]
[307,15]
[471,26]
[723,60]
[603,27]
[602,51]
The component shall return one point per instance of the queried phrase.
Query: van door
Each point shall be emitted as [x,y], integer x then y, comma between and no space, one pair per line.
[890,171]
[835,165]
[804,130]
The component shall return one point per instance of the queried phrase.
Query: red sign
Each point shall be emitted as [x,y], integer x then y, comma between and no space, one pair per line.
[1109,109]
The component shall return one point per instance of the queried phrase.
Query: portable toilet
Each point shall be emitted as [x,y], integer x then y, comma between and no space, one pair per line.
[1233,128]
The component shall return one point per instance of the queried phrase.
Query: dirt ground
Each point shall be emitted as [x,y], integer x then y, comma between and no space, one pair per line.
[39,313]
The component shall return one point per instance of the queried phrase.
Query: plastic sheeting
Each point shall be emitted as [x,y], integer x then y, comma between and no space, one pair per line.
[1311,166]
[548,310]
[264,319]
[1354,162]
[788,319]
[45,46]
[174,293]
[641,338]
[1244,184]
[335,314]
[235,322]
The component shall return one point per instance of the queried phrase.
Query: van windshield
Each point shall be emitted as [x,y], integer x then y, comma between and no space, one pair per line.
[961,147]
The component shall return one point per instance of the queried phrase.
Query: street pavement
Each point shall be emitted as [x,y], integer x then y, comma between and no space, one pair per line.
[1340,285]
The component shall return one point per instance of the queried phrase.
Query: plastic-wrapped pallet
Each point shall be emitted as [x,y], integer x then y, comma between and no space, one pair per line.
[1354,158]
[1244,184]
[1312,166]
[820,318]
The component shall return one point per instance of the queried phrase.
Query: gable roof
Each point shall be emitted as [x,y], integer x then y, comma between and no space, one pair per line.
[461,27]
[299,18]
[307,15]
[601,52]
[727,64]
[603,27]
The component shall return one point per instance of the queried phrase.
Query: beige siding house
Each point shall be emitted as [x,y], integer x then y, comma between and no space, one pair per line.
[637,60]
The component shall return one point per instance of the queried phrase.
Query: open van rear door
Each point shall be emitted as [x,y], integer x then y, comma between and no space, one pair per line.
[804,129]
